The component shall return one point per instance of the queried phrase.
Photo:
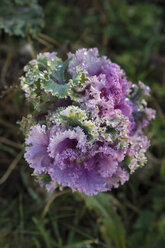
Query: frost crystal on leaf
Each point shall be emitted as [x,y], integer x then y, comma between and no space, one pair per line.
[90,120]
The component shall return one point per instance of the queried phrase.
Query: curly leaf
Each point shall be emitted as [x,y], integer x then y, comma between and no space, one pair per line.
[74,116]
[59,90]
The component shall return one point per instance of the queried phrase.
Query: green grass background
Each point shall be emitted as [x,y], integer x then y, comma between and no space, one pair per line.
[129,32]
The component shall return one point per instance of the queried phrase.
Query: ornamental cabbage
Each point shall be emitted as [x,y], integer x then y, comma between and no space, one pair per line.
[87,128]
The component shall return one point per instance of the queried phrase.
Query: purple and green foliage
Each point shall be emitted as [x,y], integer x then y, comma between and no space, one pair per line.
[87,128]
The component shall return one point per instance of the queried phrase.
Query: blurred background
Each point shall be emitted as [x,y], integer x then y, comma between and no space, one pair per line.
[131,33]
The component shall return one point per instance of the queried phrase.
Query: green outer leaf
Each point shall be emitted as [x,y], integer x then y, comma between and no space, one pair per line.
[59,90]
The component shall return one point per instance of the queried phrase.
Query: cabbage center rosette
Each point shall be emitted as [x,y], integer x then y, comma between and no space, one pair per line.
[87,128]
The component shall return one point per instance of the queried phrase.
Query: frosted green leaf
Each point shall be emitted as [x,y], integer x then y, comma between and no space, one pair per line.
[74,116]
[45,77]
[78,84]
[56,84]
[59,90]
[110,134]
[79,80]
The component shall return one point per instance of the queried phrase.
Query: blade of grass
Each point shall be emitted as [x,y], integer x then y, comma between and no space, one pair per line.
[11,167]
[112,228]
